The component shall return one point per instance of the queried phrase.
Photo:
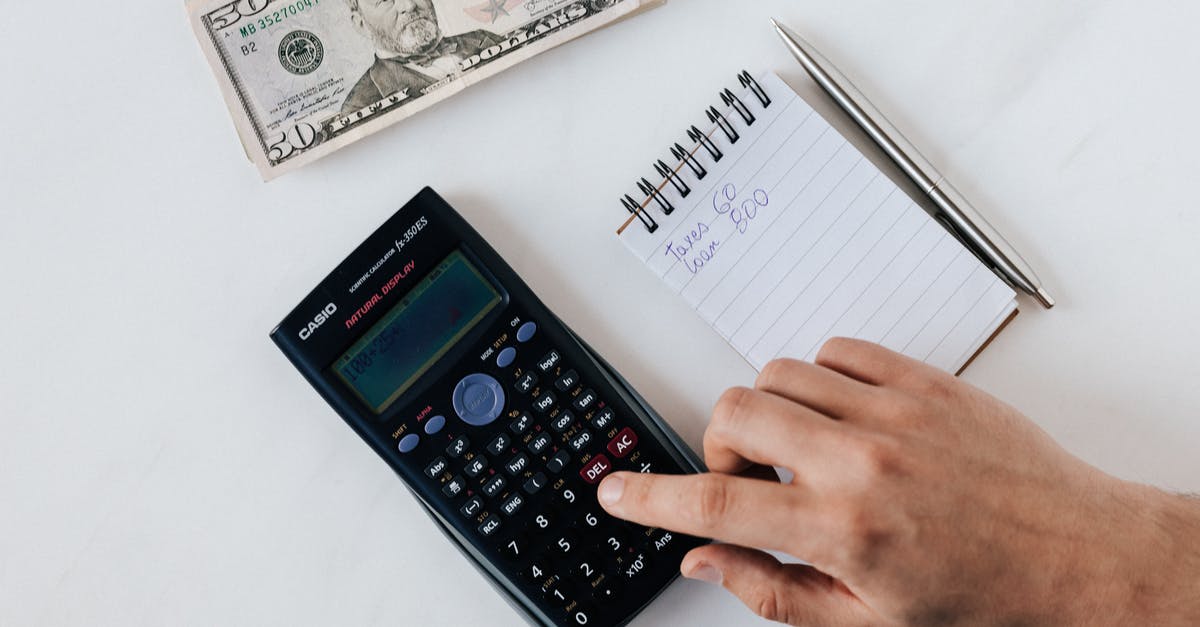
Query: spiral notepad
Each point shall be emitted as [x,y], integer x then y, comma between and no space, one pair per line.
[781,235]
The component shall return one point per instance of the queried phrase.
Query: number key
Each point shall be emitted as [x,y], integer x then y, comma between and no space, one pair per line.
[592,520]
[587,567]
[536,572]
[514,549]
[614,542]
[564,544]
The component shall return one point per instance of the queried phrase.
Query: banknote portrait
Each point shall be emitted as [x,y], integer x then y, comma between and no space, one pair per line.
[411,52]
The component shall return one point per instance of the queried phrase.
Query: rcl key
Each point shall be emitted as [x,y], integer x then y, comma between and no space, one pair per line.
[596,469]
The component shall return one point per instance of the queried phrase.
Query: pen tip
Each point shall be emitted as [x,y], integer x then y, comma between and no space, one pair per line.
[1044,298]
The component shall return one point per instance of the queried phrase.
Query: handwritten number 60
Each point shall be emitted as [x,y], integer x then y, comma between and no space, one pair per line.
[745,212]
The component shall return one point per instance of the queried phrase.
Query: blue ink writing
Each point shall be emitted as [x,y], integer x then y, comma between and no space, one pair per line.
[740,213]
[694,252]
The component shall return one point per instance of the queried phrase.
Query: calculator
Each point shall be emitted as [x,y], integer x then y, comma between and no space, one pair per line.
[498,418]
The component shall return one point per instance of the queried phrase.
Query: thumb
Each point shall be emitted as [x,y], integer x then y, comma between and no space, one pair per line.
[787,593]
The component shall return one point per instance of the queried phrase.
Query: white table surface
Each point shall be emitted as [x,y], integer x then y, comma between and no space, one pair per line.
[160,462]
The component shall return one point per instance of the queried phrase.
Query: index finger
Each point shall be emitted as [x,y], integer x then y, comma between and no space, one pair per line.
[749,512]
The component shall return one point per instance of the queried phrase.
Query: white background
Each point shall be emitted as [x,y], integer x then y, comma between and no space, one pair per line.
[162,464]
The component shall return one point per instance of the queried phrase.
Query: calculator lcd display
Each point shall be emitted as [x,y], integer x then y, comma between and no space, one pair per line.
[421,328]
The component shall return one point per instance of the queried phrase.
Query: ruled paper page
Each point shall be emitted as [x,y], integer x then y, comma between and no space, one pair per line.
[794,237]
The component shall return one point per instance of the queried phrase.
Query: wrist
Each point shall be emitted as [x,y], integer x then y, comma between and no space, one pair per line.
[1175,600]
[1163,555]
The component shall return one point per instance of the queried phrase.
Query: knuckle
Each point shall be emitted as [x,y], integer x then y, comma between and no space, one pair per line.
[864,537]
[929,384]
[727,412]
[903,410]
[712,502]
[771,603]
[774,374]
[836,350]
[880,459]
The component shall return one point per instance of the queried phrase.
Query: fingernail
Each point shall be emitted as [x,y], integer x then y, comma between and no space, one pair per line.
[707,574]
[610,490]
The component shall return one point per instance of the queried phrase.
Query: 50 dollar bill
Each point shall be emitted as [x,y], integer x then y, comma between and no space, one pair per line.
[303,78]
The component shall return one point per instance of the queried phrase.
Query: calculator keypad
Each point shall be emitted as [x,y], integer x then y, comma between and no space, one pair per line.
[527,486]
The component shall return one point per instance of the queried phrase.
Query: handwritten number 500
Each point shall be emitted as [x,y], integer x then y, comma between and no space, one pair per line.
[744,212]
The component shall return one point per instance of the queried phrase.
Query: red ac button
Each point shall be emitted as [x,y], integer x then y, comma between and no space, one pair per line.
[624,443]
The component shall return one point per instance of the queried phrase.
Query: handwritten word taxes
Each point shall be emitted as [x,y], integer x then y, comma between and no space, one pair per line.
[697,248]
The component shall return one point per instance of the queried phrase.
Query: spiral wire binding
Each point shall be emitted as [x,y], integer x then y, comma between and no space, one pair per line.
[652,192]
[747,81]
[716,117]
[731,100]
[671,175]
[705,139]
[687,158]
[636,209]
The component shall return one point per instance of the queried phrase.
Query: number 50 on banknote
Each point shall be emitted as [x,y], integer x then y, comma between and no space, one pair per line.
[303,78]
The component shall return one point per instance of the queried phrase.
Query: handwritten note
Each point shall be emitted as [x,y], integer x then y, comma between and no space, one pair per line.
[794,237]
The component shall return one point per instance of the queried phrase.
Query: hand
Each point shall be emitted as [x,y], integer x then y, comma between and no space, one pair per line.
[918,500]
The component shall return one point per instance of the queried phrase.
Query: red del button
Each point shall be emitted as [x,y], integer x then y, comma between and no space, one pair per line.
[595,470]
[624,443]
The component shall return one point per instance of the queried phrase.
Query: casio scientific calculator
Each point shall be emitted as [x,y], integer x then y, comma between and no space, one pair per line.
[496,415]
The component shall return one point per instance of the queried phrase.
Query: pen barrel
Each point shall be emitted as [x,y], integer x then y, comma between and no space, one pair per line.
[952,208]
[971,224]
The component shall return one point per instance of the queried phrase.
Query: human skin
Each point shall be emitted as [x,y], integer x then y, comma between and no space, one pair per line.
[918,500]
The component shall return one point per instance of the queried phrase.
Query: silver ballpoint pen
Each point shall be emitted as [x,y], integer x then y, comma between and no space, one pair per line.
[954,212]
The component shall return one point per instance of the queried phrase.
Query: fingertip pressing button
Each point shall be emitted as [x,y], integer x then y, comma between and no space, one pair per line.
[435,424]
[409,443]
[526,332]
[506,357]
